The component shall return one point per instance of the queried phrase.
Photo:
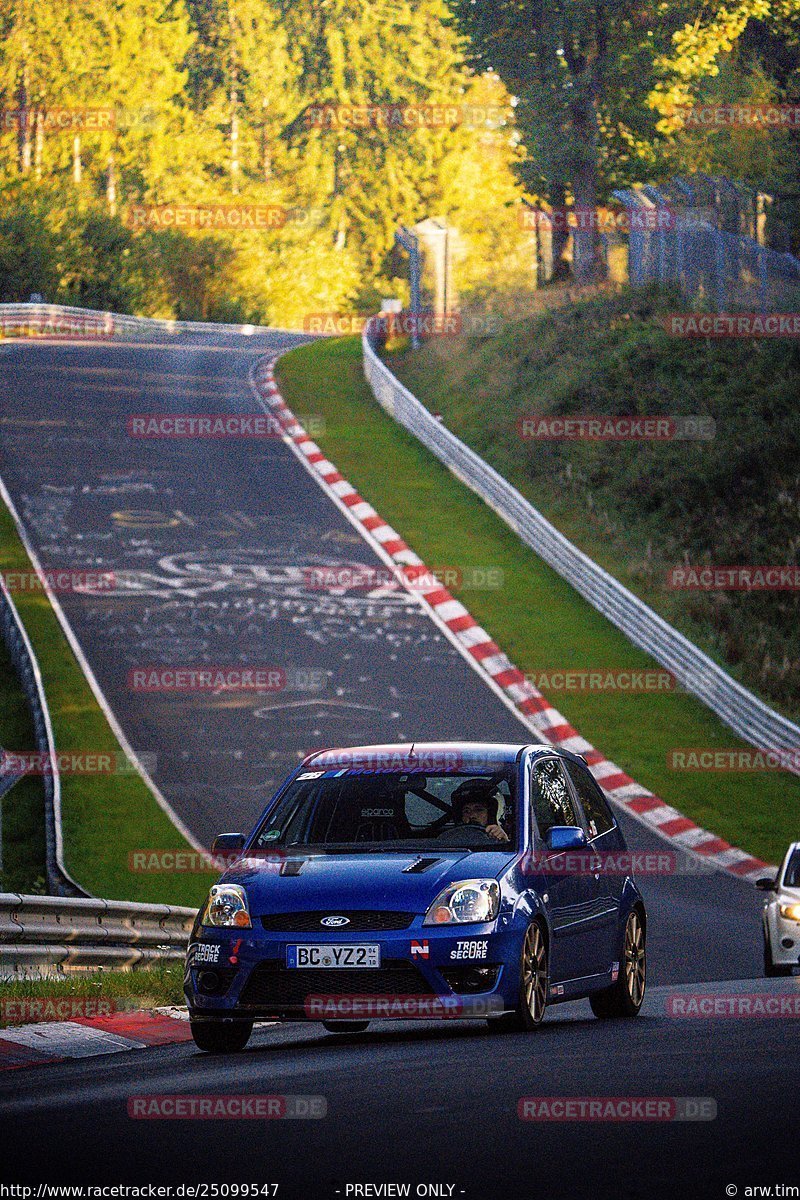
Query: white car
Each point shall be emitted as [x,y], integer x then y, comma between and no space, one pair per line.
[781,916]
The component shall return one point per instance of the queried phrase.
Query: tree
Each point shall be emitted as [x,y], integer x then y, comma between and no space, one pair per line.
[582,71]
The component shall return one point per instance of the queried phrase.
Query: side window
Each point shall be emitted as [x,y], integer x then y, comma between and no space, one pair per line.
[791,876]
[552,803]
[598,814]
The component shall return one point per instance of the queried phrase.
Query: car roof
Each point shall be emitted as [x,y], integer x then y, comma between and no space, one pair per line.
[430,755]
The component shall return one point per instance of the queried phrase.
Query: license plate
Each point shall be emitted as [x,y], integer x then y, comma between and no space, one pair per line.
[333,956]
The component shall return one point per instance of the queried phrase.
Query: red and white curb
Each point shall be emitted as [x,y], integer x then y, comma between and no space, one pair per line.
[532,708]
[58,1041]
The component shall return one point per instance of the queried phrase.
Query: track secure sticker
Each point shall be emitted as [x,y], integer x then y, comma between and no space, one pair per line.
[470,949]
[206,952]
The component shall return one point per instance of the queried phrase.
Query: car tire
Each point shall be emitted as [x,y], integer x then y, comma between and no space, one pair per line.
[773,970]
[625,997]
[215,1035]
[346,1026]
[534,980]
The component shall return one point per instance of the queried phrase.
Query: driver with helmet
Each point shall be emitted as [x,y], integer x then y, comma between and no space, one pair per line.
[475,802]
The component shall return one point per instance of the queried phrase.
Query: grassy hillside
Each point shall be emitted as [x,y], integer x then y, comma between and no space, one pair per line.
[641,508]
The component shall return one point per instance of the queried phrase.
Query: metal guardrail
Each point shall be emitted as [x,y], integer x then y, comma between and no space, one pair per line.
[59,881]
[738,708]
[18,320]
[43,933]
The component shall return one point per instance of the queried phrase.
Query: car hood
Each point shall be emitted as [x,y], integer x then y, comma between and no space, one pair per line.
[301,883]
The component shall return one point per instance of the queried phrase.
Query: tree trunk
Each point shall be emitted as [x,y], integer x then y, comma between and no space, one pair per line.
[111,186]
[266,157]
[588,265]
[24,123]
[38,143]
[234,143]
[559,268]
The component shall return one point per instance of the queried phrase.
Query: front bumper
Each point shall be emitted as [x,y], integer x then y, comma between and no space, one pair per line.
[426,972]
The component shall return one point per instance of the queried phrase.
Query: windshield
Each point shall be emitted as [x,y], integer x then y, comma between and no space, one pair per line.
[393,811]
[791,876]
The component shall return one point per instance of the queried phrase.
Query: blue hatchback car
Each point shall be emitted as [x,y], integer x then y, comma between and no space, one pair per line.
[415,881]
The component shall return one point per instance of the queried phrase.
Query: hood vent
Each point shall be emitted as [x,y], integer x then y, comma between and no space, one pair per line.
[422,864]
[292,866]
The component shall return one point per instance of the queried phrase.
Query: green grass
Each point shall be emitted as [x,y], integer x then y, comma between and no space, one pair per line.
[537,619]
[23,807]
[109,991]
[105,816]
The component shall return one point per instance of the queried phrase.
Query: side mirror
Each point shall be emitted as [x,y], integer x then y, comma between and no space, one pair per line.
[767,884]
[565,837]
[228,843]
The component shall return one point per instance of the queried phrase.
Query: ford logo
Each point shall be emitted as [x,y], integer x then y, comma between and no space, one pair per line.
[335,922]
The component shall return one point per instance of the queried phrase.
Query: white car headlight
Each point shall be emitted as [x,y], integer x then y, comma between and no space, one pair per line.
[790,911]
[227,907]
[472,900]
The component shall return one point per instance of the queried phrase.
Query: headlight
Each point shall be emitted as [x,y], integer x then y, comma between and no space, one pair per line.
[790,911]
[227,907]
[461,903]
